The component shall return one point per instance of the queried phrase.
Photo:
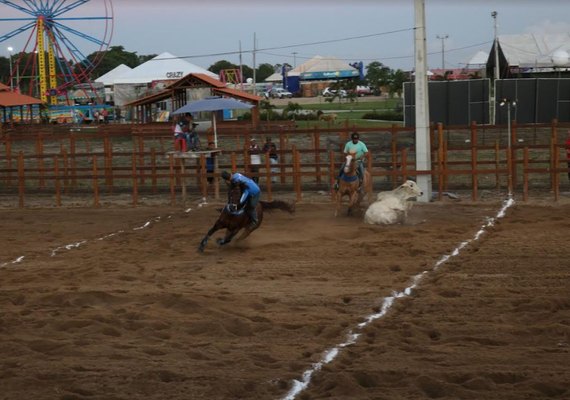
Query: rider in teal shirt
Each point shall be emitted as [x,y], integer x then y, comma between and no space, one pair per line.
[355,145]
[250,193]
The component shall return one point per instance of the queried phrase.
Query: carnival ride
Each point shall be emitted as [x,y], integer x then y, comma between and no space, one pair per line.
[66,40]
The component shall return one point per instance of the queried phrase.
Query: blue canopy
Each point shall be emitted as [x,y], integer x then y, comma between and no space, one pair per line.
[215,103]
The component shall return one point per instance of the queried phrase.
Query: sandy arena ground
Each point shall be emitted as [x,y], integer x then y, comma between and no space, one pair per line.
[130,310]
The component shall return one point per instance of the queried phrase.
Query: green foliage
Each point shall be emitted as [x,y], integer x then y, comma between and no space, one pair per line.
[384,116]
[113,57]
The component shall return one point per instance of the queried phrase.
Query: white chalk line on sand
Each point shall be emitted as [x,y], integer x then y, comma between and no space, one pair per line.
[80,243]
[353,335]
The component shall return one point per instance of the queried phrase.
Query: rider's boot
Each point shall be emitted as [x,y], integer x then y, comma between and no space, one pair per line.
[253,219]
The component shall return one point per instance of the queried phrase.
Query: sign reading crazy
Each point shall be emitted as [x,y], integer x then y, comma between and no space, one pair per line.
[174,75]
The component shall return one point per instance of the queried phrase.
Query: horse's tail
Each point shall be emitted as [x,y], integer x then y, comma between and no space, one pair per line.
[278,205]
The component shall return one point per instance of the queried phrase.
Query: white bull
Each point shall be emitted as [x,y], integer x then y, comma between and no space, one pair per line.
[392,206]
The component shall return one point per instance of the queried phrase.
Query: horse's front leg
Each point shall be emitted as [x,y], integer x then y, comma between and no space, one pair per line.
[230,233]
[204,241]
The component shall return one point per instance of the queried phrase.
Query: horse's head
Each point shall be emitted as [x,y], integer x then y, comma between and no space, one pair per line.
[348,164]
[234,196]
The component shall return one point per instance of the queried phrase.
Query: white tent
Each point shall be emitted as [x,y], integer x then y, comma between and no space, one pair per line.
[109,77]
[532,50]
[478,60]
[165,66]
[320,67]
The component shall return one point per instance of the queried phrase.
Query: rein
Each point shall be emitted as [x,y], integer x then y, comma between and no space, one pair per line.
[232,209]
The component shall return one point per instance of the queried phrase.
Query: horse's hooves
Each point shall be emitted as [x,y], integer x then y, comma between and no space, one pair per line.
[220,241]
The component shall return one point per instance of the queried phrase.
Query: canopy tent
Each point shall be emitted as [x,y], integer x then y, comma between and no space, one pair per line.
[531,50]
[320,67]
[10,100]
[109,77]
[165,66]
[478,60]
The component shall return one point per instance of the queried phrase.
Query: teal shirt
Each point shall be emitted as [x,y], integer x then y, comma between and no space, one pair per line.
[359,147]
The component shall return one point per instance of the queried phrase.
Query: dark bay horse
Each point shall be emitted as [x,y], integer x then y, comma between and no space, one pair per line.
[348,186]
[234,217]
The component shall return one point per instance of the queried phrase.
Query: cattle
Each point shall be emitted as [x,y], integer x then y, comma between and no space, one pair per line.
[392,206]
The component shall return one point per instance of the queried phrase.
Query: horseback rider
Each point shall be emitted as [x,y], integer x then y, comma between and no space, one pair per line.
[250,194]
[357,147]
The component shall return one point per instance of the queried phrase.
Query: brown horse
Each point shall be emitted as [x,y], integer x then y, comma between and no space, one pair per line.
[234,217]
[349,185]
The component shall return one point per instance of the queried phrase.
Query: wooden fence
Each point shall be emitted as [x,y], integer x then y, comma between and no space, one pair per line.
[138,159]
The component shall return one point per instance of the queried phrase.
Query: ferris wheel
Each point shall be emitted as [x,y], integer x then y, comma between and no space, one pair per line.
[62,42]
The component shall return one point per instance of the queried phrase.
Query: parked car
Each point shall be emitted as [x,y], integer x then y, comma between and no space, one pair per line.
[363,91]
[280,93]
[328,92]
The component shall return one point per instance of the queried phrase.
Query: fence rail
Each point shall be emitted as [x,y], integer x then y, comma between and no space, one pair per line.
[138,160]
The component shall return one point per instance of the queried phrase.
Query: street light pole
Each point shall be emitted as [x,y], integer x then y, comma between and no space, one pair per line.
[442,38]
[10,50]
[497,71]
[509,103]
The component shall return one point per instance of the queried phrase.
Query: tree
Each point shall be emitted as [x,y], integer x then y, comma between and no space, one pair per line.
[263,72]
[113,57]
[398,78]
[378,75]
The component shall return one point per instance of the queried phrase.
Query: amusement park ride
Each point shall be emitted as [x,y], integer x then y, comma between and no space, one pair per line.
[58,35]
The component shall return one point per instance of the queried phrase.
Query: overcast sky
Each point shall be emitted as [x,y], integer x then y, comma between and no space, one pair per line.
[294,31]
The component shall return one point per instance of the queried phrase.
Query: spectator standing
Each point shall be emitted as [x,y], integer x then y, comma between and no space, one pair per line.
[255,159]
[270,149]
[179,135]
[193,138]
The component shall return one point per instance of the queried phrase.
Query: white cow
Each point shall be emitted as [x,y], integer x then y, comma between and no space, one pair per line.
[392,206]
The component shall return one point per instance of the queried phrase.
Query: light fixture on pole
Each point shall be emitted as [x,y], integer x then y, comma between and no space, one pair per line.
[509,103]
[442,38]
[10,50]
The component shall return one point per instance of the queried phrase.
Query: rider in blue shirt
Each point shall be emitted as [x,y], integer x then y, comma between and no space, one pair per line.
[250,193]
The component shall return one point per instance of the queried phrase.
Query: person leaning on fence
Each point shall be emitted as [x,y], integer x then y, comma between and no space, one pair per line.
[358,147]
[255,159]
[179,135]
[568,153]
[270,149]
[193,138]
[250,194]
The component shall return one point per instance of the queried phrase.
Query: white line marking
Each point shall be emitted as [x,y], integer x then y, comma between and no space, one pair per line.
[331,354]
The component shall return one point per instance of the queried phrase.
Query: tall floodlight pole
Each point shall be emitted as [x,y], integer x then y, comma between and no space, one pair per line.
[254,66]
[423,156]
[442,38]
[497,70]
[294,59]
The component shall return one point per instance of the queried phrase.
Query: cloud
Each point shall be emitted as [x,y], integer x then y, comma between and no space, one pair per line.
[548,27]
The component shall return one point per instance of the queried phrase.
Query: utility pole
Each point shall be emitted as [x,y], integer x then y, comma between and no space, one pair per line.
[254,66]
[442,38]
[294,59]
[423,155]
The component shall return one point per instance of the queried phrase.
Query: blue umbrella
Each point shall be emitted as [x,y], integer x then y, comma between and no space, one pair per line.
[214,103]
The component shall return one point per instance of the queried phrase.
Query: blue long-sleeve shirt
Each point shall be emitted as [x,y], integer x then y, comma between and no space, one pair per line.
[251,187]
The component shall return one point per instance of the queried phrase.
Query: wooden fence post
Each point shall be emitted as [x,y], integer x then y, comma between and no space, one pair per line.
[9,159]
[21,179]
[95,183]
[394,149]
[135,180]
[153,170]
[268,176]
[332,174]
[474,176]
[556,163]
[440,161]
[317,148]
[497,164]
[172,180]
[72,150]
[57,182]
[525,173]
[40,160]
